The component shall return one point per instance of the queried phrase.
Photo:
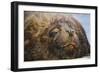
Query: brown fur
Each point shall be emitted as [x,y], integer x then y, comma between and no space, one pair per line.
[53,36]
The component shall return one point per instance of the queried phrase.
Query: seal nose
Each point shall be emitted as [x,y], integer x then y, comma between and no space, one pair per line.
[75,40]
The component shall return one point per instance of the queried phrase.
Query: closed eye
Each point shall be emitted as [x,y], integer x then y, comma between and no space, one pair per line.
[70,32]
[52,34]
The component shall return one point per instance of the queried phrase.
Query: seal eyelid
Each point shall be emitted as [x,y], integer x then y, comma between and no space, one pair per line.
[52,34]
[67,31]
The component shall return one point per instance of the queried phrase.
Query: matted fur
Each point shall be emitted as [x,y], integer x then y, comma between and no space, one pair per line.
[52,36]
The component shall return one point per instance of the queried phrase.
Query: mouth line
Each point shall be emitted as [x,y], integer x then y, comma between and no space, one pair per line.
[71,45]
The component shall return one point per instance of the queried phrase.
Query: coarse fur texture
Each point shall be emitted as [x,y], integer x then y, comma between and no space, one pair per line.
[53,36]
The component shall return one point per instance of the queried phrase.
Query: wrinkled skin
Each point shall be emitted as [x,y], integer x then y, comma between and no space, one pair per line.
[65,41]
[62,38]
